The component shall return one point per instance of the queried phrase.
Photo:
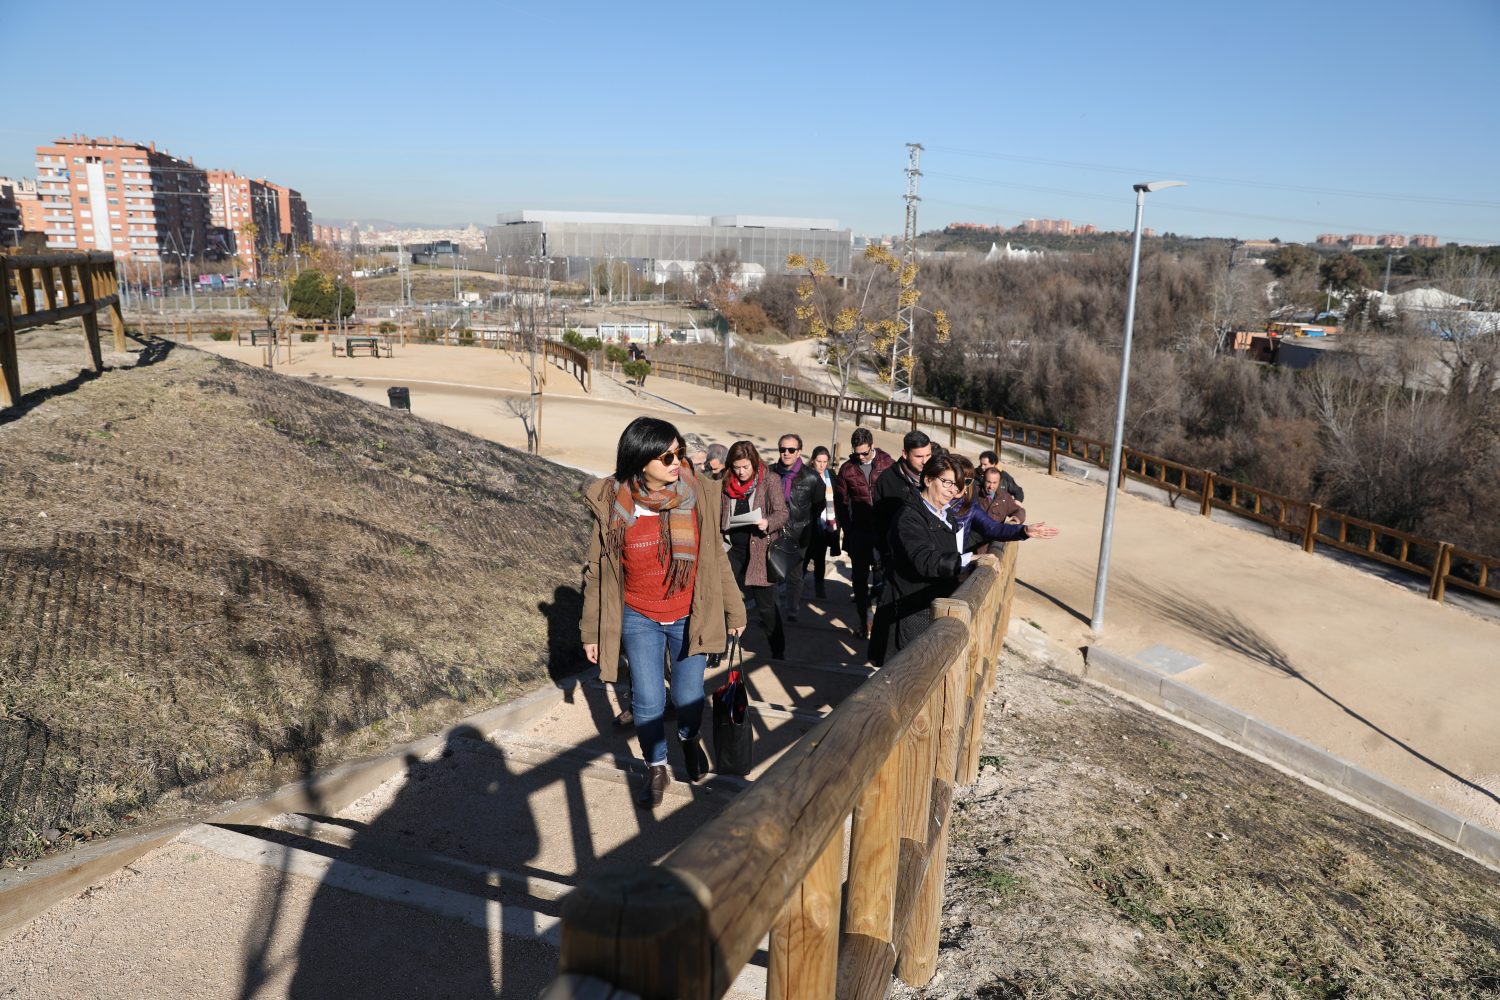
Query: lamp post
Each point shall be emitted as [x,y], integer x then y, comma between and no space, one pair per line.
[1101,579]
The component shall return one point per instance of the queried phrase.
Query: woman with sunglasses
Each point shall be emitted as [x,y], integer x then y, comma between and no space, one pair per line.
[657,584]
[929,549]
[749,486]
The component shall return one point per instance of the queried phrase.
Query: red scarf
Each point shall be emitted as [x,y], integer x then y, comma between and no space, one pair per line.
[738,490]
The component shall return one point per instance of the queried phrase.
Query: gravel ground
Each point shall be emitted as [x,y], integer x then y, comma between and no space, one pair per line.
[1107,852]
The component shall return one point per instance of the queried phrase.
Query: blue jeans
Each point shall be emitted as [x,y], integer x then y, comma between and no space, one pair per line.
[646,644]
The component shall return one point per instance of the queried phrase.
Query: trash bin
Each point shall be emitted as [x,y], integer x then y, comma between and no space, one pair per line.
[400,397]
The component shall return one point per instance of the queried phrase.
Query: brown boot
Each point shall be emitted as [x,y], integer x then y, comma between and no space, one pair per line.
[657,779]
[696,759]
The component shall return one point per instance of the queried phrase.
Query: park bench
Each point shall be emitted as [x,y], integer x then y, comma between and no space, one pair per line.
[258,337]
[373,345]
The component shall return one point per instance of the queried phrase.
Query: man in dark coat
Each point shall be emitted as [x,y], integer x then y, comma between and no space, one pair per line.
[899,487]
[854,506]
[803,491]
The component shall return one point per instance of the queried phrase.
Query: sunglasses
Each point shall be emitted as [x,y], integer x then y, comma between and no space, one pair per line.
[862,455]
[670,457]
[790,451]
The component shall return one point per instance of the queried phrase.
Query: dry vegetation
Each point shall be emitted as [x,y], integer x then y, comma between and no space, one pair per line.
[207,569]
[1106,852]
[1401,428]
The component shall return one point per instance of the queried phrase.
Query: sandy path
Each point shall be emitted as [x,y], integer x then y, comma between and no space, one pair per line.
[1371,672]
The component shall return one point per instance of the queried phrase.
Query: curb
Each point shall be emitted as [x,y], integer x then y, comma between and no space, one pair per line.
[1110,669]
[26,894]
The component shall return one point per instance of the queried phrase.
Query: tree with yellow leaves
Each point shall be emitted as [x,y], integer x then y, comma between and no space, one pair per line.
[859,324]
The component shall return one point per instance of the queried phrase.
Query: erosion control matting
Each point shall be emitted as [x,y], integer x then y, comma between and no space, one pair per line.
[207,570]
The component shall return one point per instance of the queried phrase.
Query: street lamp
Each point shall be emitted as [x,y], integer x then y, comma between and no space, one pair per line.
[1101,579]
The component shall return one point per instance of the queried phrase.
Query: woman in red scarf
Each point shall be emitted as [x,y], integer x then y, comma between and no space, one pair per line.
[749,487]
[657,583]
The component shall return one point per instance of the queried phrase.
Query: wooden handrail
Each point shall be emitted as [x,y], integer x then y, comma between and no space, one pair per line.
[890,756]
[1301,520]
[73,286]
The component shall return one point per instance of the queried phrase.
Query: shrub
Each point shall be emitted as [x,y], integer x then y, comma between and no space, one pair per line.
[386,326]
[616,355]
[221,335]
[309,338]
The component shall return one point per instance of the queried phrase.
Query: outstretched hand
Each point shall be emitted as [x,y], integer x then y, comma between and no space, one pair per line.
[1040,530]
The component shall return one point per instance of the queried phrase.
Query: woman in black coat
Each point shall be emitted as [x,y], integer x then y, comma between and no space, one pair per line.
[930,546]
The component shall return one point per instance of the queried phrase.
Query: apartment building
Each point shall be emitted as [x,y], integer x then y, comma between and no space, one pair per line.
[234,203]
[296,220]
[1425,240]
[126,197]
[12,225]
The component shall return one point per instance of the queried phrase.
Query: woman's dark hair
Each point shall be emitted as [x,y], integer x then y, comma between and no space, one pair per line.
[962,469]
[737,451]
[821,450]
[642,440]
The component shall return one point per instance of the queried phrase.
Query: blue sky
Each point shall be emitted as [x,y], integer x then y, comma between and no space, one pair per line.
[1287,119]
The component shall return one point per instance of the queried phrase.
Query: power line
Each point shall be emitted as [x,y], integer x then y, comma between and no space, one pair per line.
[1238,182]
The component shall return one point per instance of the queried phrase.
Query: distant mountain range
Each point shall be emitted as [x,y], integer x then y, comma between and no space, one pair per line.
[388,224]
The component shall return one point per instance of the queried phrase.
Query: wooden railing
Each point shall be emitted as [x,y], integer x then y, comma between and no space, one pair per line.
[887,760]
[1302,521]
[53,288]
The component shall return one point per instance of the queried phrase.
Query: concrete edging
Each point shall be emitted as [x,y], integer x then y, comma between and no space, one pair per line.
[1121,673]
[26,894]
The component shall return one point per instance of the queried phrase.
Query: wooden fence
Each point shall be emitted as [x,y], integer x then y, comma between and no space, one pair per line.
[1310,525]
[52,288]
[887,761]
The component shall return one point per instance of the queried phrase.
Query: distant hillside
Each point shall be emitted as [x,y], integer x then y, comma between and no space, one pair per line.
[206,567]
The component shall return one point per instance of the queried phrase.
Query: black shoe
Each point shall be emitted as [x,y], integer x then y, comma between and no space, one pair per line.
[657,780]
[697,760]
[625,719]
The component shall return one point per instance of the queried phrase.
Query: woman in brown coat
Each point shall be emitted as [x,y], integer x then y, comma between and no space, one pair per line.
[657,583]
[749,486]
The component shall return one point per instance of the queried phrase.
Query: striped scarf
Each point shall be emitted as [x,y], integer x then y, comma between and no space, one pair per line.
[677,547]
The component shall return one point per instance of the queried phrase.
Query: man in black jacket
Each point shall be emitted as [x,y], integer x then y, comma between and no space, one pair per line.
[897,487]
[900,483]
[803,490]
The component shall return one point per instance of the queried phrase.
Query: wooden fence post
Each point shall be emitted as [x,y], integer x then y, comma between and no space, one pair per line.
[919,939]
[10,384]
[90,280]
[953,427]
[805,941]
[870,906]
[999,433]
[1052,452]
[1206,506]
[1441,567]
[1124,466]
[1310,532]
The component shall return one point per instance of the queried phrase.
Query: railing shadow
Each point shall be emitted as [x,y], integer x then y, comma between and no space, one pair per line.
[498,804]
[152,350]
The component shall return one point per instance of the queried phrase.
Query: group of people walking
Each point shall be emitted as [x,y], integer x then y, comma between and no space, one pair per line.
[682,546]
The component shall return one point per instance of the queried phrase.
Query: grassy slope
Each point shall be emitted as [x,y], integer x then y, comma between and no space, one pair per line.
[206,568]
[1107,852]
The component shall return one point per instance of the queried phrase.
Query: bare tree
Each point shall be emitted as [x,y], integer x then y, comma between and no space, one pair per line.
[850,324]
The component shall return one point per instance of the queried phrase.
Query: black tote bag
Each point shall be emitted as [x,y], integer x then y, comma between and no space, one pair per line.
[732,736]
